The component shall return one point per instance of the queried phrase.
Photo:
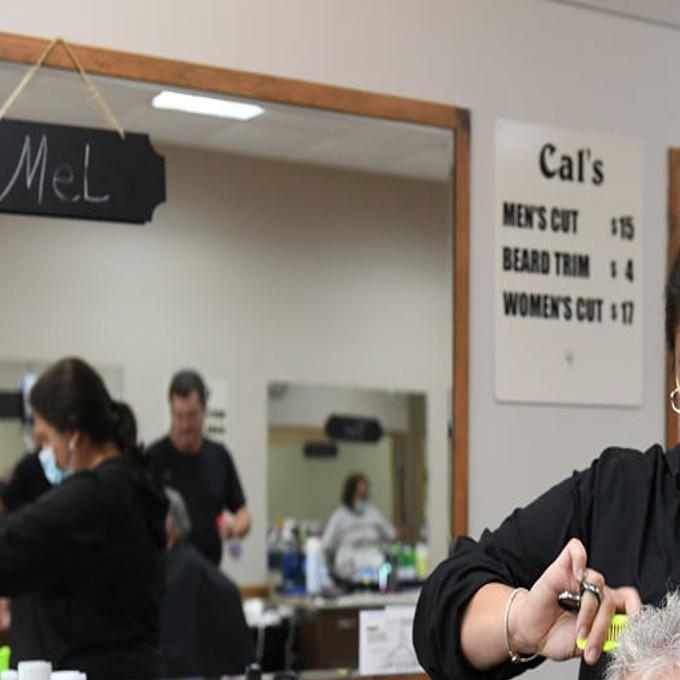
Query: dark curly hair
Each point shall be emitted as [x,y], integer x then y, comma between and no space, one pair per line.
[673,302]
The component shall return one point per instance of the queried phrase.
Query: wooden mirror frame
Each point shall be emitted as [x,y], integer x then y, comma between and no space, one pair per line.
[673,246]
[97,61]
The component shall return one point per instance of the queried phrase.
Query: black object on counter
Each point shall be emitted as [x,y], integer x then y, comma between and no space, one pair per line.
[285,675]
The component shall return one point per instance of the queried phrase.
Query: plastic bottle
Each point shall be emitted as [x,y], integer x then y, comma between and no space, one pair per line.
[291,567]
[407,563]
[422,566]
[314,569]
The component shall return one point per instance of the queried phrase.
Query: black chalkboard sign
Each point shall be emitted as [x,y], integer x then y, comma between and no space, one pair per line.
[354,428]
[66,171]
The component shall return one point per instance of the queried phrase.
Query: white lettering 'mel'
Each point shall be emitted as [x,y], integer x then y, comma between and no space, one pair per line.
[30,171]
[86,187]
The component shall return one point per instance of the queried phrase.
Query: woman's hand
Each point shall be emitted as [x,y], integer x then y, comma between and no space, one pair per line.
[538,625]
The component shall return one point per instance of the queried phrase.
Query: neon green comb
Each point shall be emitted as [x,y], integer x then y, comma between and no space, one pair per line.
[4,658]
[616,627]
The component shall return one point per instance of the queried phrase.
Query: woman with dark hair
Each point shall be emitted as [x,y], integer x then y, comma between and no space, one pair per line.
[600,542]
[355,528]
[93,546]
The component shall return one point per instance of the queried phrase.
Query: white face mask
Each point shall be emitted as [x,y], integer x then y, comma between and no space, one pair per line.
[53,473]
[360,506]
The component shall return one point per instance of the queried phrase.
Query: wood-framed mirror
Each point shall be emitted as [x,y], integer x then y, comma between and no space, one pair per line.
[21,50]
[672,427]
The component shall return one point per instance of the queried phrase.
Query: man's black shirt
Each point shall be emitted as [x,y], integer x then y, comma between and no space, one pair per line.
[625,509]
[208,483]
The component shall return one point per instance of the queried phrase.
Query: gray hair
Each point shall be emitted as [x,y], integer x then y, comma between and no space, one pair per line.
[178,513]
[650,645]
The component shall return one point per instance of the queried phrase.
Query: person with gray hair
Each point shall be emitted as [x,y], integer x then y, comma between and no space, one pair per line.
[178,522]
[649,648]
[203,627]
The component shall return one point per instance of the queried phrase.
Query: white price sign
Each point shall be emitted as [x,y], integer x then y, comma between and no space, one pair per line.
[386,642]
[568,263]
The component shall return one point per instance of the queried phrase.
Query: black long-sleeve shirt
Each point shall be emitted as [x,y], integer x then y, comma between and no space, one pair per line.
[30,635]
[625,508]
[93,548]
[27,484]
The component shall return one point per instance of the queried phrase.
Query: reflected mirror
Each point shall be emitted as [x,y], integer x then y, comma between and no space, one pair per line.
[349,466]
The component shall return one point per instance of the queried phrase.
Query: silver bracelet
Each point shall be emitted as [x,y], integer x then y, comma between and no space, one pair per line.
[514,656]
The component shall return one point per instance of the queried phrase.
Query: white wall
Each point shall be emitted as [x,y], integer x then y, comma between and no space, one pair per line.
[526,59]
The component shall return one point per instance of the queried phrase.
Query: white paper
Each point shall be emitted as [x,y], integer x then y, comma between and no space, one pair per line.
[385,641]
[568,266]
[216,415]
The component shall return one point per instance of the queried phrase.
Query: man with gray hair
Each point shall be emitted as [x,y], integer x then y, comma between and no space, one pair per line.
[203,628]
[649,648]
[178,522]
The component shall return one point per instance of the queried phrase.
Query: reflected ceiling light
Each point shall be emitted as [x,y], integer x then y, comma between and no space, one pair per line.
[206,106]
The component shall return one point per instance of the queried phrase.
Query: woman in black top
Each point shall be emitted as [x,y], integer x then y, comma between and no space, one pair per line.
[92,547]
[610,533]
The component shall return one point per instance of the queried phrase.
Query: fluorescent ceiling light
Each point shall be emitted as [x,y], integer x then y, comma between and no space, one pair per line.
[206,106]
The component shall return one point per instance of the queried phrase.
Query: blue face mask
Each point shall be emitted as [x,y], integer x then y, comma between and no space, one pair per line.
[53,473]
[360,506]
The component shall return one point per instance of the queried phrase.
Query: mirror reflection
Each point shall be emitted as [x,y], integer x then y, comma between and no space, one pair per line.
[346,467]
[306,244]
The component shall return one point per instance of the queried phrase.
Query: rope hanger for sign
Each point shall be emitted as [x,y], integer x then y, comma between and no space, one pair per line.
[87,81]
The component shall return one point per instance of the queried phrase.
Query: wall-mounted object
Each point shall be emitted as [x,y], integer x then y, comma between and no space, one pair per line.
[354,429]
[65,171]
[568,262]
[11,405]
[320,450]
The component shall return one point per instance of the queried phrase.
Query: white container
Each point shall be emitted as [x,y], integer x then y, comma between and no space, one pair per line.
[34,670]
[315,563]
[9,674]
[67,675]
